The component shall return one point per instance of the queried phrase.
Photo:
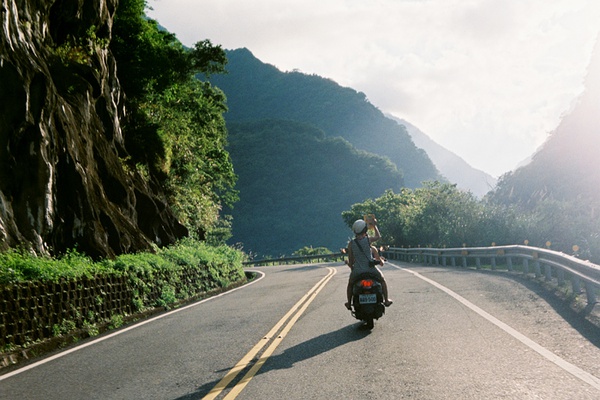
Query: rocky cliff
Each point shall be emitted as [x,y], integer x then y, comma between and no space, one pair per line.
[64,182]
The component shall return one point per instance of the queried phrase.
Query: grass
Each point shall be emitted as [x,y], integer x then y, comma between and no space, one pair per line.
[163,279]
[21,266]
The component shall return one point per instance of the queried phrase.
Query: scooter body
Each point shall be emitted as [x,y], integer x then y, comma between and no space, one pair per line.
[367,299]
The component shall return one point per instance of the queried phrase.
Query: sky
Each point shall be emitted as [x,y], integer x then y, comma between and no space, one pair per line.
[487,79]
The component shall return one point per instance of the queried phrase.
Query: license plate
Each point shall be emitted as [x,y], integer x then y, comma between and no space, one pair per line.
[367,298]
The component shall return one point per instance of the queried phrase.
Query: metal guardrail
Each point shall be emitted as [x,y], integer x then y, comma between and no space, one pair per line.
[296,259]
[549,264]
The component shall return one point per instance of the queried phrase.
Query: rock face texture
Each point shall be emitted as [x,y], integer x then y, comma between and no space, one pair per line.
[63,182]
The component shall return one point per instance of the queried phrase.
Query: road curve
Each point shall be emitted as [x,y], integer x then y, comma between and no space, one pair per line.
[450,333]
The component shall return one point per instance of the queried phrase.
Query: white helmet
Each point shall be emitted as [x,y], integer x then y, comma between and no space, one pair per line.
[359,226]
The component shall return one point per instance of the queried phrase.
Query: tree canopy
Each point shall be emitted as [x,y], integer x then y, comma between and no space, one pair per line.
[174,130]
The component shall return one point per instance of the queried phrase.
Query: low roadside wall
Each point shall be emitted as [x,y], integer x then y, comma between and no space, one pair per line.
[38,316]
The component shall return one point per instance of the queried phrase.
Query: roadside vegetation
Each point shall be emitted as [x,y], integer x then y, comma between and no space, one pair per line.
[174,130]
[218,262]
[53,302]
[440,215]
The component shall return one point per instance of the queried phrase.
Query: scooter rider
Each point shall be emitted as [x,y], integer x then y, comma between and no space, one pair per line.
[360,256]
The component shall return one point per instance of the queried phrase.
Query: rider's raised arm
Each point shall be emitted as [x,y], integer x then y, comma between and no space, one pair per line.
[377,235]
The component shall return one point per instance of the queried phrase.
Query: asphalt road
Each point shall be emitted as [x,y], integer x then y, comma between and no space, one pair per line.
[450,334]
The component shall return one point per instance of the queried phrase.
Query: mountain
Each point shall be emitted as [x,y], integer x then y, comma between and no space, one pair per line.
[256,91]
[306,149]
[450,165]
[565,168]
[294,182]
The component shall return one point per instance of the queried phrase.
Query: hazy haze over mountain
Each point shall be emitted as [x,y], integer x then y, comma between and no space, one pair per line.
[450,165]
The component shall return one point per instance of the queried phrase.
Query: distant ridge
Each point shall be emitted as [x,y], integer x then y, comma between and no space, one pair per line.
[450,165]
[256,91]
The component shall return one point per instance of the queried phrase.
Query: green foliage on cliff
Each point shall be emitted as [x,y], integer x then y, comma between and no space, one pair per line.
[174,127]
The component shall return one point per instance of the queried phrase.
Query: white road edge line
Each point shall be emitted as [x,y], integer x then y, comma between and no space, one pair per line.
[137,325]
[567,366]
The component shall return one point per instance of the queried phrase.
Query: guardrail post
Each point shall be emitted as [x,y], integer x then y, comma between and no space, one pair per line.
[509,263]
[548,269]
[478,262]
[444,261]
[590,290]
[453,261]
[464,262]
[576,284]
[493,262]
[560,275]
[536,267]
[525,266]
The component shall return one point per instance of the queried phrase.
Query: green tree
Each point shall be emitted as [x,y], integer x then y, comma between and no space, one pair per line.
[174,129]
[441,215]
[438,214]
[391,210]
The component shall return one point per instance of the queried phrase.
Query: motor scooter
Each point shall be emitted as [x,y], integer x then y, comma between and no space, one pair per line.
[367,299]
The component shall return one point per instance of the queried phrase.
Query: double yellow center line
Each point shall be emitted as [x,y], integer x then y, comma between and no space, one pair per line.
[292,315]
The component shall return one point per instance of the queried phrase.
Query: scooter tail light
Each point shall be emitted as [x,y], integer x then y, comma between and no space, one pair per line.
[366,283]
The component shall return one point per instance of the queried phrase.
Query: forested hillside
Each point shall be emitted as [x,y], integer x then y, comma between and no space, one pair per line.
[305,149]
[294,183]
[256,90]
